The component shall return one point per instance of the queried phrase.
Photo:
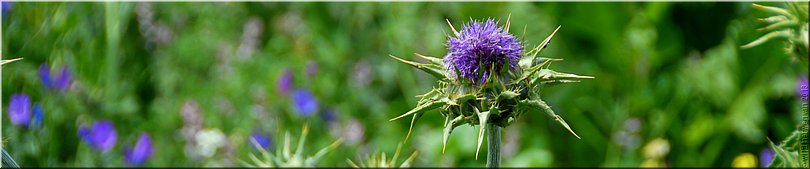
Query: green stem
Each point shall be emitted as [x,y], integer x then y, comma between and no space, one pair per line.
[493,146]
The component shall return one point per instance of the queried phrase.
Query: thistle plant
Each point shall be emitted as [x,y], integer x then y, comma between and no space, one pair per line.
[487,79]
[790,24]
[375,161]
[284,158]
[788,153]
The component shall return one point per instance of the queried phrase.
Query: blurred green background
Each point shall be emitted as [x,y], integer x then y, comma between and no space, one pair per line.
[672,86]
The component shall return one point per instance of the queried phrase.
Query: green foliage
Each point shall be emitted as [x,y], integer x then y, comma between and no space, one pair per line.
[670,71]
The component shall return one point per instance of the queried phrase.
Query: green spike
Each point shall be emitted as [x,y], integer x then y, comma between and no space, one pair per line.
[483,117]
[428,105]
[448,128]
[433,60]
[435,70]
[537,103]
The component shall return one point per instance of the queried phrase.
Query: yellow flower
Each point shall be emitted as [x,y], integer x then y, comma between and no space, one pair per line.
[745,160]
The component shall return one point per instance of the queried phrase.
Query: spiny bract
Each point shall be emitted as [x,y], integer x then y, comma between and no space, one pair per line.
[487,78]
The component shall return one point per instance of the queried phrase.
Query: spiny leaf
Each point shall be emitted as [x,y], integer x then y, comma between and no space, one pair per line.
[410,129]
[451,27]
[429,105]
[766,37]
[448,128]
[542,45]
[433,60]
[483,117]
[407,162]
[435,70]
[3,62]
[323,151]
[551,75]
[771,9]
[537,103]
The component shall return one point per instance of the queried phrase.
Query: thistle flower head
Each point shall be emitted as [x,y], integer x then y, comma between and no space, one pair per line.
[19,109]
[480,46]
[477,58]
[141,152]
[101,135]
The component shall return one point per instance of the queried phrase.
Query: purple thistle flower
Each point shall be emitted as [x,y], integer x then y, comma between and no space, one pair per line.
[765,157]
[481,44]
[19,109]
[284,82]
[264,141]
[101,135]
[38,113]
[304,103]
[141,152]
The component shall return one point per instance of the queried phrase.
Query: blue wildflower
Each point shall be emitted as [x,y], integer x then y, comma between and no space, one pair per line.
[38,115]
[328,116]
[765,157]
[304,103]
[64,79]
[284,82]
[101,135]
[60,82]
[481,44]
[141,152]
[6,6]
[45,75]
[263,141]
[19,109]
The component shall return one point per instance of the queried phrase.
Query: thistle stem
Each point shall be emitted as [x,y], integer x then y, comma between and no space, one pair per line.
[493,146]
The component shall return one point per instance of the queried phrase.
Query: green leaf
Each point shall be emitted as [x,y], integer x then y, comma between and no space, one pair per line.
[432,69]
[483,118]
[448,128]
[422,107]
[539,48]
[540,104]
[433,60]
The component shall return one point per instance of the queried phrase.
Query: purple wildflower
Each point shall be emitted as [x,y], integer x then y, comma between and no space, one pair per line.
[481,44]
[802,88]
[60,82]
[261,139]
[141,152]
[304,103]
[19,109]
[284,82]
[312,68]
[38,113]
[101,135]
[64,79]
[765,157]
[328,116]
[6,6]
[45,75]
